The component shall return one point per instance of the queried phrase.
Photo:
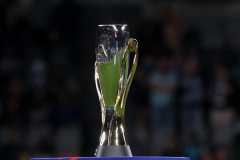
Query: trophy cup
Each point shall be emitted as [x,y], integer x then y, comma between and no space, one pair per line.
[113,80]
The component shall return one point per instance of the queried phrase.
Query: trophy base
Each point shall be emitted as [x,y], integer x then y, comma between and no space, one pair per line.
[113,151]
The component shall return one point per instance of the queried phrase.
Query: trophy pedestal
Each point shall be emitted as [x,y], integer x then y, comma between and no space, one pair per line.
[114,158]
[113,151]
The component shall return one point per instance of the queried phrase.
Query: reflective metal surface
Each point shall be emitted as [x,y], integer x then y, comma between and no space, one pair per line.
[113,79]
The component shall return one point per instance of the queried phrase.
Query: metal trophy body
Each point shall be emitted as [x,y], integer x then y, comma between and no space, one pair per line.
[113,80]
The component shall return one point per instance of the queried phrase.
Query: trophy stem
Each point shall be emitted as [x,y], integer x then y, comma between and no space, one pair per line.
[113,138]
[113,128]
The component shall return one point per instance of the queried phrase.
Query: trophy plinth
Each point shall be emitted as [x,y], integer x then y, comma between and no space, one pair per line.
[114,158]
[113,80]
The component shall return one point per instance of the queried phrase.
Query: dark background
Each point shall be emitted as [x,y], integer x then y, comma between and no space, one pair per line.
[48,101]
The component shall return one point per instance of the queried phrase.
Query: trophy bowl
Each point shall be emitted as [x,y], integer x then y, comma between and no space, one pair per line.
[113,79]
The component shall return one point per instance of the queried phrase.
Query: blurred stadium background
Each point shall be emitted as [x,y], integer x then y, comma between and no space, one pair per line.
[184,100]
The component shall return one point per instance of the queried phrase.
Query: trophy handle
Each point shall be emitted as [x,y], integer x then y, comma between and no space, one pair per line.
[99,91]
[121,101]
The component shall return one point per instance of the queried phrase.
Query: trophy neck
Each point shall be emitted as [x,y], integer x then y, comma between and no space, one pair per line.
[113,128]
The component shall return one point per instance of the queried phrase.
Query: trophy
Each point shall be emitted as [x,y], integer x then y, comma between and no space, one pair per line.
[113,79]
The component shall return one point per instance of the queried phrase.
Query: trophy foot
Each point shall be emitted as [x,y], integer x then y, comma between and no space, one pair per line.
[113,151]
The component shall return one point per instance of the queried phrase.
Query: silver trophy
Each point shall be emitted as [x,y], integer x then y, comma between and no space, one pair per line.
[113,79]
